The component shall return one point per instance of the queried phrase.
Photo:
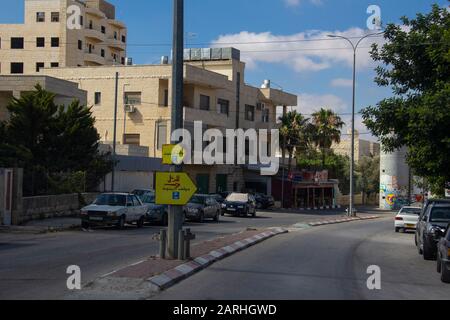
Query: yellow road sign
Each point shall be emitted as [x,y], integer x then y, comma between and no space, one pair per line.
[174,188]
[172,154]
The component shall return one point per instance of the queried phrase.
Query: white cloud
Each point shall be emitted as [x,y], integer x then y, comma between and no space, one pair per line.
[312,53]
[341,82]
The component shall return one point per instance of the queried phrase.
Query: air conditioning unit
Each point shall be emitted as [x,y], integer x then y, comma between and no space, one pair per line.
[260,106]
[130,108]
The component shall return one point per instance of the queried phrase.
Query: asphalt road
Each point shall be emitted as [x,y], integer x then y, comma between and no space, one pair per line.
[327,262]
[34,266]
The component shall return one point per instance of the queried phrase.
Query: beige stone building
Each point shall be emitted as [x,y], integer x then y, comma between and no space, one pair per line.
[14,86]
[215,93]
[363,148]
[60,33]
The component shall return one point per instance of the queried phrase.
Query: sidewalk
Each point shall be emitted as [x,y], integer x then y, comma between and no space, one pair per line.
[44,226]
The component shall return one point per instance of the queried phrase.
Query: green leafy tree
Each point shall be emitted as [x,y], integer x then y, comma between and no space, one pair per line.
[294,134]
[326,129]
[415,63]
[368,170]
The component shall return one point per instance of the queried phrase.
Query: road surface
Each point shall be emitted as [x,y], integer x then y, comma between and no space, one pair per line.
[327,262]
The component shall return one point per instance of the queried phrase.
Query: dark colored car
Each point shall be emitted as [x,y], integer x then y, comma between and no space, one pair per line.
[239,204]
[201,207]
[432,224]
[156,213]
[218,198]
[264,201]
[443,257]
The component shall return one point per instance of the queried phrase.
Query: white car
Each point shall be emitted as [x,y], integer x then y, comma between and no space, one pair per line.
[407,218]
[114,209]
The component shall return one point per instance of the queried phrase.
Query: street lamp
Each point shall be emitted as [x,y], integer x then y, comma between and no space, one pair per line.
[352,162]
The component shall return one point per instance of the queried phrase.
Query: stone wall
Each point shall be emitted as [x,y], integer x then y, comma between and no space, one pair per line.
[35,208]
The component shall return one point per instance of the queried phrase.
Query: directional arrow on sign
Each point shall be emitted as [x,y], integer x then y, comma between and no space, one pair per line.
[174,188]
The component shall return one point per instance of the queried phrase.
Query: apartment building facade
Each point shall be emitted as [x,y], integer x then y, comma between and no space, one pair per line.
[363,148]
[62,33]
[215,93]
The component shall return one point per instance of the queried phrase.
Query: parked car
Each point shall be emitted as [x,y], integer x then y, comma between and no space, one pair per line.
[141,192]
[156,213]
[407,219]
[432,223]
[201,207]
[443,257]
[114,209]
[264,201]
[218,198]
[239,204]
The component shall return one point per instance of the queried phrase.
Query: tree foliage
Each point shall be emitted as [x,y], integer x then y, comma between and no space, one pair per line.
[368,180]
[416,65]
[56,145]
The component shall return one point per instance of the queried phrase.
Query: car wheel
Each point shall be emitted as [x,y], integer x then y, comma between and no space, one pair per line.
[427,253]
[85,225]
[121,223]
[445,273]
[201,218]
[397,230]
[439,265]
[140,223]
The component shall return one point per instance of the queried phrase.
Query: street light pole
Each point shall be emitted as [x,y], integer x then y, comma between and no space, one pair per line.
[352,161]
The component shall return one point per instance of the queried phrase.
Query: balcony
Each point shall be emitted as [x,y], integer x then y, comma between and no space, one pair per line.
[116,23]
[95,12]
[93,58]
[208,117]
[95,35]
[116,44]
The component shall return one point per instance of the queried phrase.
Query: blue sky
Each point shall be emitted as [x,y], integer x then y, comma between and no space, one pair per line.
[318,71]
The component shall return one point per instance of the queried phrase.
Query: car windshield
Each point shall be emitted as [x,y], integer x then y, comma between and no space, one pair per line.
[148,198]
[238,197]
[440,214]
[197,200]
[114,200]
[139,193]
[411,211]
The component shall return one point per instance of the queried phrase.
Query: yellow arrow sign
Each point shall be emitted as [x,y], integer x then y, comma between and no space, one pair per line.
[174,188]
[172,154]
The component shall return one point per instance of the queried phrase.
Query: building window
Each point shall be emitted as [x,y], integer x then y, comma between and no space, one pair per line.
[122,60]
[16,43]
[103,29]
[91,25]
[55,42]
[40,42]
[133,98]
[54,64]
[16,67]
[102,52]
[55,17]
[265,115]
[98,98]
[162,134]
[166,98]
[80,45]
[124,39]
[132,139]
[81,20]
[249,113]
[115,35]
[205,102]
[39,65]
[40,16]
[224,106]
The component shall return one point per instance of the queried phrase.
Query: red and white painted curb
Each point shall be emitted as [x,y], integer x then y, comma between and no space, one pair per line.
[341,220]
[169,278]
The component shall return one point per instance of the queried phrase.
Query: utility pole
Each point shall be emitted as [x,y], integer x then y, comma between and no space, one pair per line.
[176,212]
[113,174]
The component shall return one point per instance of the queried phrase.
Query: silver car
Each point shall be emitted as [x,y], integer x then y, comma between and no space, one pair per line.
[201,207]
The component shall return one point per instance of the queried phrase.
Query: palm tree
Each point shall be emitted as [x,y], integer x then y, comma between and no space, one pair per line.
[293,131]
[326,129]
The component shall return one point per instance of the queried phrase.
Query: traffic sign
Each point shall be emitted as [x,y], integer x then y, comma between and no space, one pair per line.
[174,188]
[173,154]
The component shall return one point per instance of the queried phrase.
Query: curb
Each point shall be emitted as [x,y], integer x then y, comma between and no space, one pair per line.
[343,220]
[173,276]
